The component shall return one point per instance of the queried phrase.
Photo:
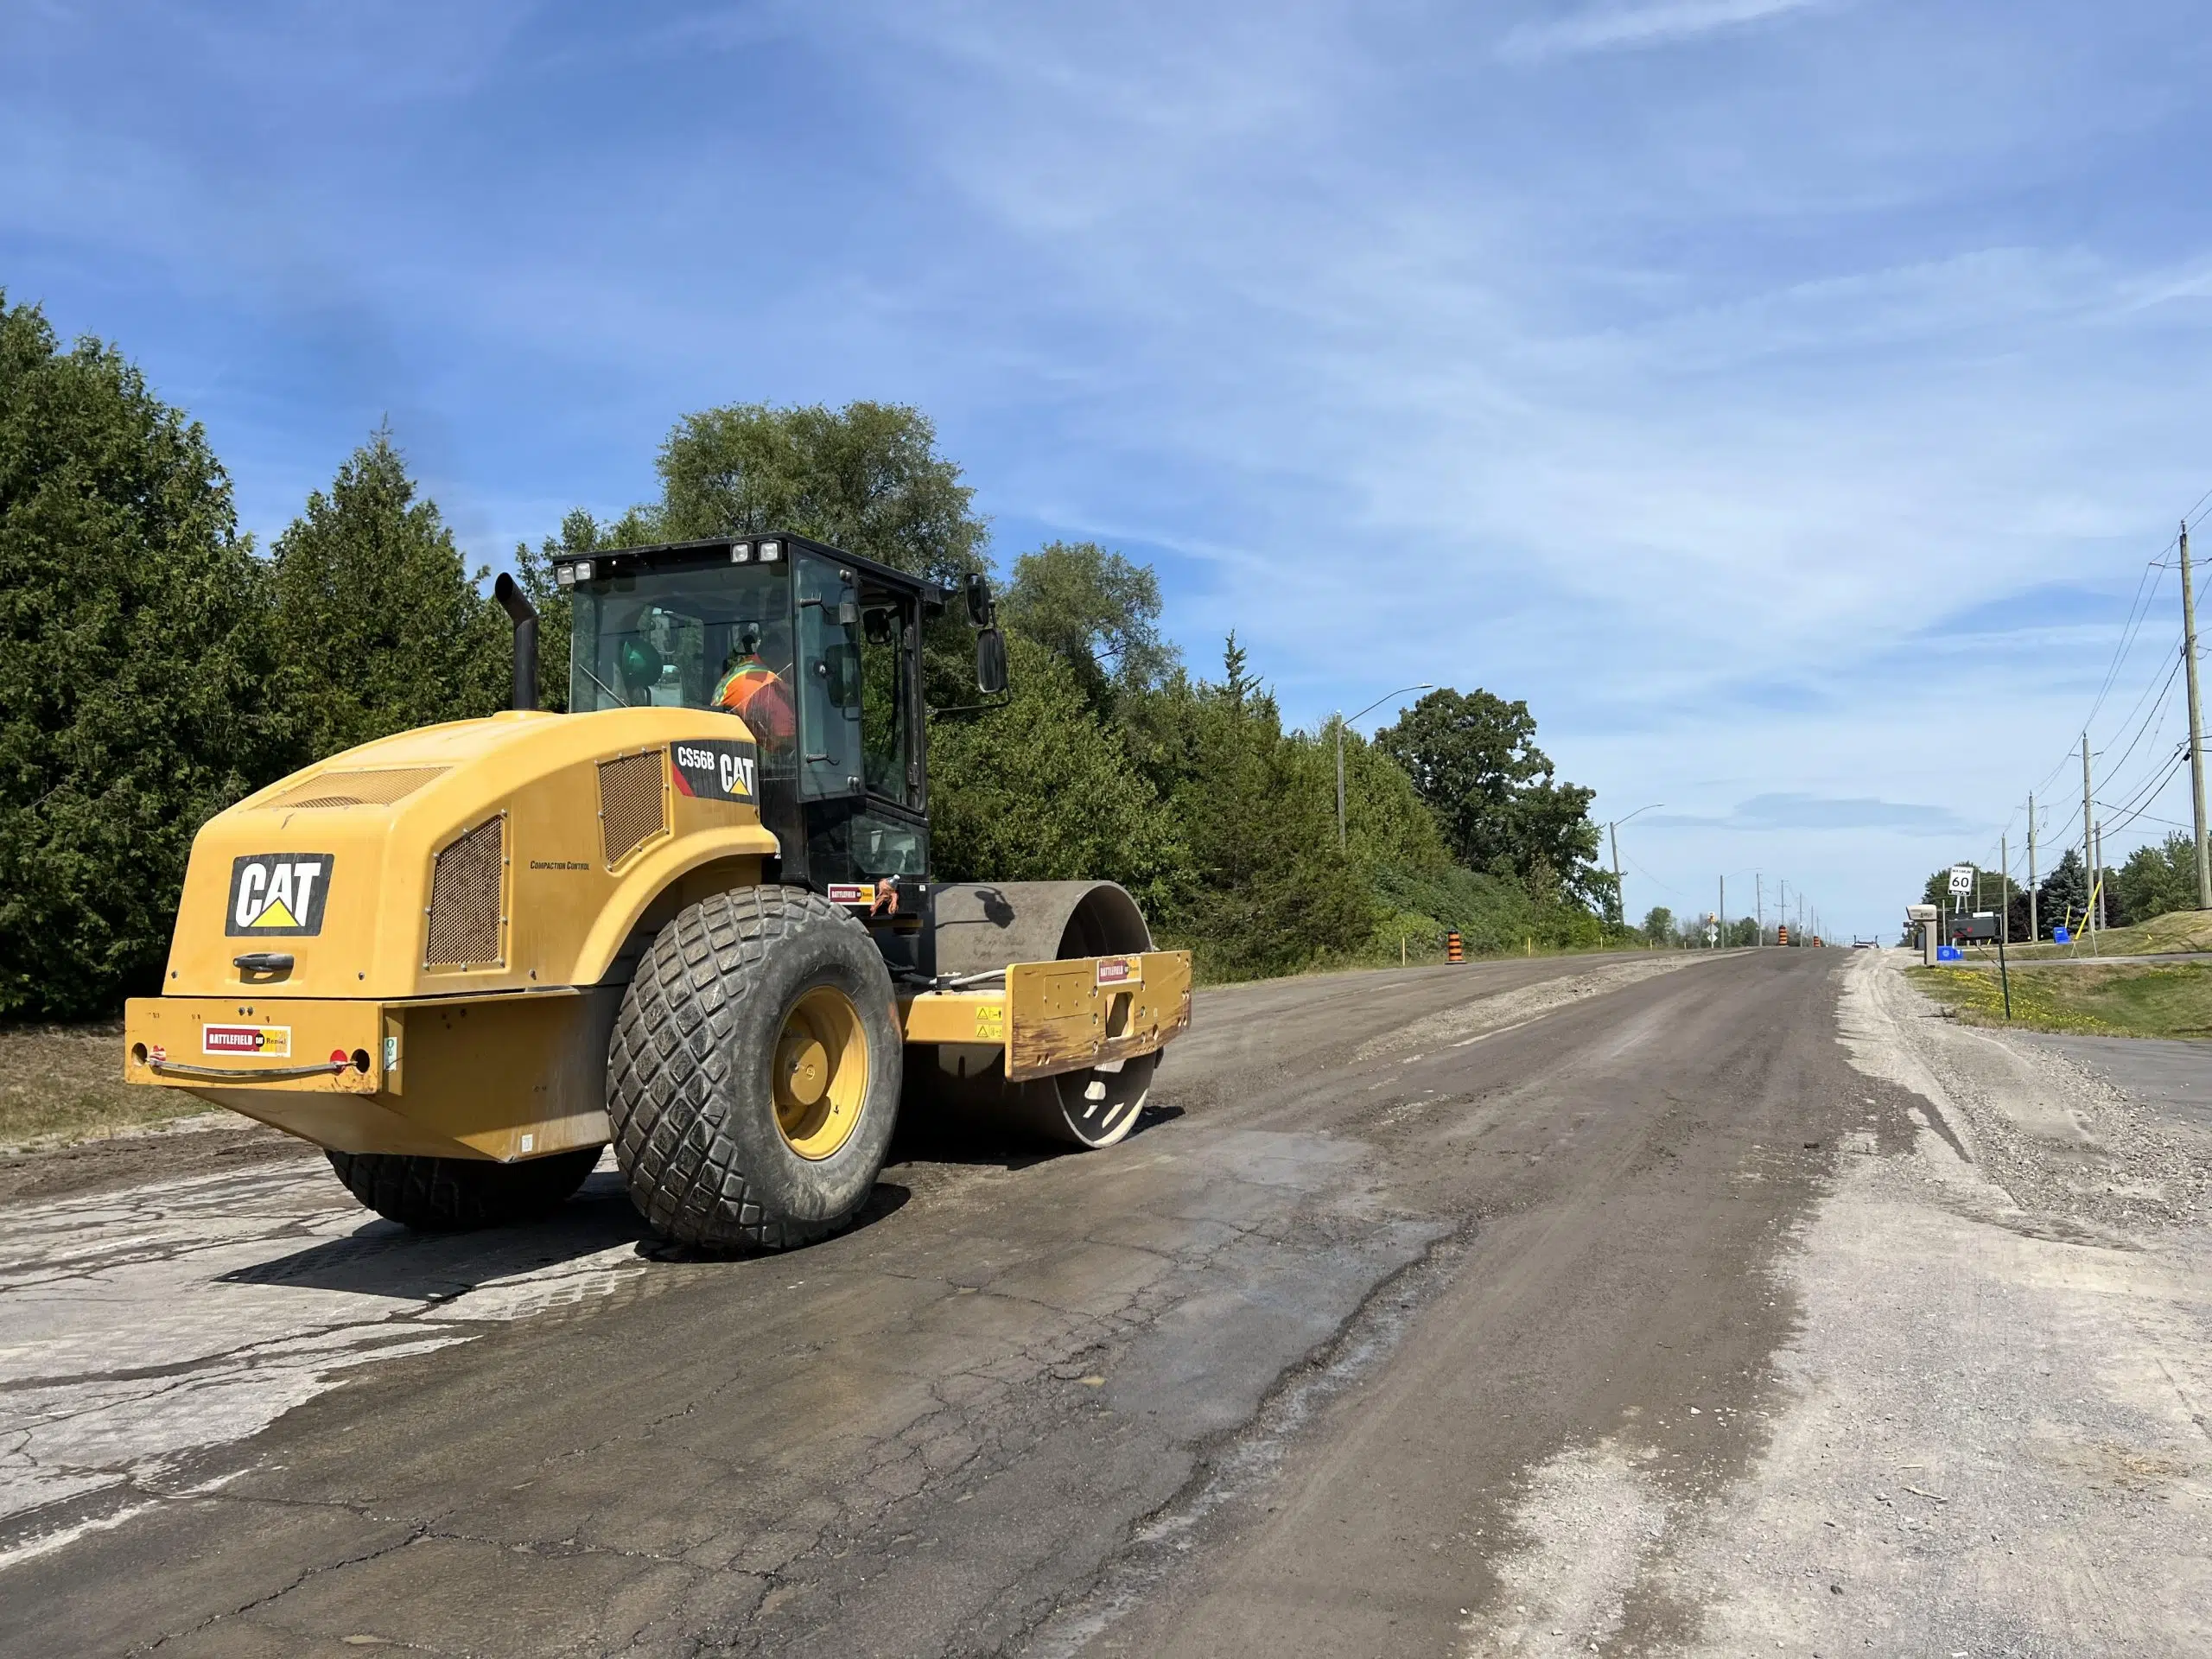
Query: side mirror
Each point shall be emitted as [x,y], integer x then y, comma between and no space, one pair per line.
[981,610]
[990,662]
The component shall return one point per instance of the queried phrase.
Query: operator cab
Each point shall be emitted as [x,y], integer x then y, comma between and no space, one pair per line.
[842,762]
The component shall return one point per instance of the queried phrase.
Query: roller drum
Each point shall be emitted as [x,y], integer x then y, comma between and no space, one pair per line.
[982,927]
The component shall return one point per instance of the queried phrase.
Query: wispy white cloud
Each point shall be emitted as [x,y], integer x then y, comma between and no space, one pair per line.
[1715,404]
[1820,813]
[1618,27]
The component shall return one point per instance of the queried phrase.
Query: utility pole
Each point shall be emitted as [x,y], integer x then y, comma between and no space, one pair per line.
[1720,934]
[2004,921]
[2196,721]
[2032,935]
[1758,909]
[2088,847]
[2004,891]
[1620,902]
[2097,881]
[1343,840]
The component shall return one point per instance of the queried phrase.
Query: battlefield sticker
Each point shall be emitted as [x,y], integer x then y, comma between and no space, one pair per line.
[277,895]
[716,769]
[267,1042]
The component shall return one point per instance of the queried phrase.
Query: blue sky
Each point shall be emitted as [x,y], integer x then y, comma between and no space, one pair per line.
[1785,396]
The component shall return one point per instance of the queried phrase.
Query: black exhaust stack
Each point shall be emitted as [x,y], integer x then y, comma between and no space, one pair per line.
[517,604]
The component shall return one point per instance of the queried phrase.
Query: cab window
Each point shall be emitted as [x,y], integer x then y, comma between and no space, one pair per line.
[856,652]
[887,703]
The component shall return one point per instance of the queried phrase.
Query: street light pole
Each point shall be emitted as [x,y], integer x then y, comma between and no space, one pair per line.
[1343,838]
[1612,835]
[1342,842]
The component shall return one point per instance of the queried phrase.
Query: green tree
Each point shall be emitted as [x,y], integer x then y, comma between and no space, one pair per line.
[580,533]
[1474,760]
[2064,895]
[1659,924]
[1097,612]
[1387,822]
[133,683]
[1042,791]
[2156,880]
[1269,891]
[382,625]
[866,478]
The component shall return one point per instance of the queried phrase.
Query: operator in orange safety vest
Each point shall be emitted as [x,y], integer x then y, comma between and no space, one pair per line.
[754,691]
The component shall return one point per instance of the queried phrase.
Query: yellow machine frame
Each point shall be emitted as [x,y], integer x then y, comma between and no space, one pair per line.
[364,1026]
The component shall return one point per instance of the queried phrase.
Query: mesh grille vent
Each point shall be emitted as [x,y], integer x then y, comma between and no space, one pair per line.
[629,803]
[358,788]
[465,919]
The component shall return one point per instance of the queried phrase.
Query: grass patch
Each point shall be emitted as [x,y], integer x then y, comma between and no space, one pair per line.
[2126,1000]
[2169,934]
[65,1083]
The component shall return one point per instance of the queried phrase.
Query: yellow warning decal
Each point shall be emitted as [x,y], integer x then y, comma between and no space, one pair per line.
[990,1023]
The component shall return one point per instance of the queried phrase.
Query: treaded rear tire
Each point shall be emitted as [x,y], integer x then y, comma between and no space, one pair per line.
[690,1088]
[457,1195]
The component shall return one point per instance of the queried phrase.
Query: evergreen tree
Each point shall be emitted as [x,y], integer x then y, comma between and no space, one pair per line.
[2064,895]
[133,700]
[1269,890]
[1042,791]
[382,626]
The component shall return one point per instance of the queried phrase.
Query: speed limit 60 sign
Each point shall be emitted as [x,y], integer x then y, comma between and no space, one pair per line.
[1962,878]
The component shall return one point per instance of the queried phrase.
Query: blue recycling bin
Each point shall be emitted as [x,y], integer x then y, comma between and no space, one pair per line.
[2061,935]
[1949,953]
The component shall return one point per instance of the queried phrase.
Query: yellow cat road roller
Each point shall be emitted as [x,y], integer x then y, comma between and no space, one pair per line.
[692,917]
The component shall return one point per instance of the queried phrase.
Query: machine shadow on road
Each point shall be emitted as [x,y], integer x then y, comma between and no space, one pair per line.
[382,1258]
[942,1138]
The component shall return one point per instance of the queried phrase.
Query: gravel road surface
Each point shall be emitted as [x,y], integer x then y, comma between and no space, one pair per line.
[1620,1305]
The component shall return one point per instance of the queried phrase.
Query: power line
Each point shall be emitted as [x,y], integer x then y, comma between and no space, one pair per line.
[2133,808]
[2146,591]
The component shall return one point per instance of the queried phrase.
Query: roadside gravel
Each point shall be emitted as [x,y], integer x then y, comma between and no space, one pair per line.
[1989,1435]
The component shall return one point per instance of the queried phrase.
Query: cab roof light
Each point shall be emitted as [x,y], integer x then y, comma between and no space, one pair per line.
[771,551]
[565,575]
[740,552]
[583,569]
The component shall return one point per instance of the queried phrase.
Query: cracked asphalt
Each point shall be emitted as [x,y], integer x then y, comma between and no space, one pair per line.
[1270,1376]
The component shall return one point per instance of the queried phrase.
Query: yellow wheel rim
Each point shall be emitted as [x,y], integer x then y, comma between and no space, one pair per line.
[821,1072]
